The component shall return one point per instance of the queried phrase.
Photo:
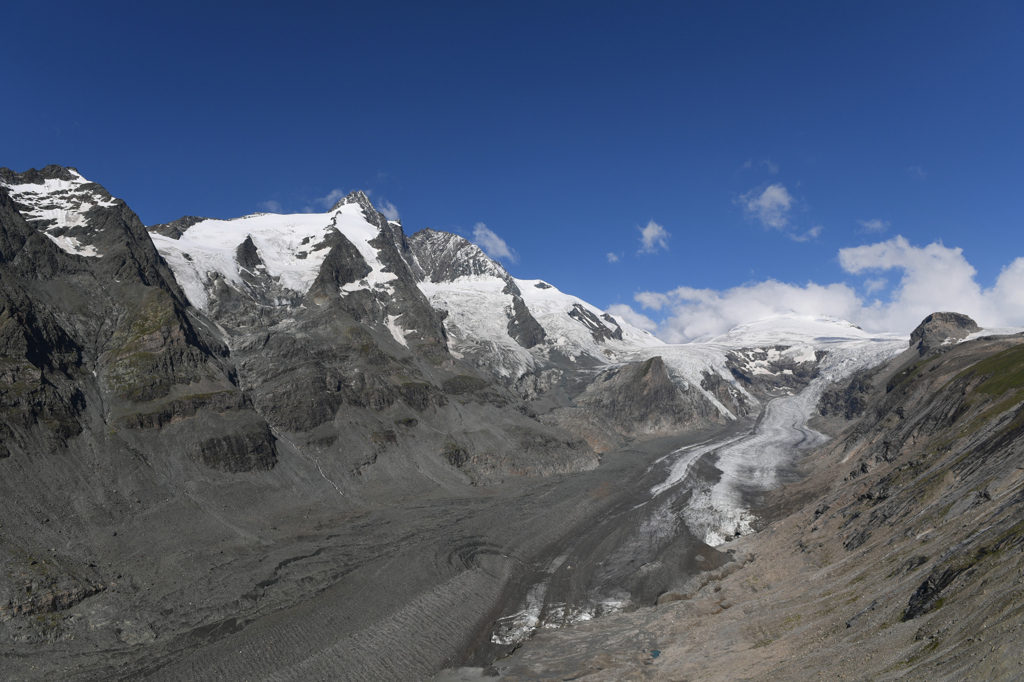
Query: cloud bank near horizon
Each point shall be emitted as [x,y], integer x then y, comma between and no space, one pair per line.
[933,278]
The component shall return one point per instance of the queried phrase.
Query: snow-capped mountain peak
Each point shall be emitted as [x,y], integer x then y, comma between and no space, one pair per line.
[57,201]
[283,257]
[354,197]
[445,257]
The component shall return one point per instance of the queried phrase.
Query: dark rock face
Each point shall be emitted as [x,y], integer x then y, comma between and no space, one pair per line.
[849,399]
[598,329]
[617,333]
[37,177]
[523,327]
[444,257]
[936,330]
[112,326]
[247,255]
[343,265]
[237,447]
[768,371]
[635,400]
[176,228]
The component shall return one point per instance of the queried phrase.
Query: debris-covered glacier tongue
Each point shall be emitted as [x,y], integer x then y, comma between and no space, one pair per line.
[676,522]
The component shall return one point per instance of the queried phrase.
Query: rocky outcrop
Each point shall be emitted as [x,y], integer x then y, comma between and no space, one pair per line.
[523,326]
[768,372]
[445,257]
[343,265]
[598,329]
[247,255]
[234,448]
[176,228]
[848,399]
[636,400]
[938,330]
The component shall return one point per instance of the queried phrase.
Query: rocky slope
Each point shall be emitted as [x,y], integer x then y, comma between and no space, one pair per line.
[288,446]
[899,555]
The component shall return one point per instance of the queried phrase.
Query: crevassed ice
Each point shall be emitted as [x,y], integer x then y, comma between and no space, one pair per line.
[752,461]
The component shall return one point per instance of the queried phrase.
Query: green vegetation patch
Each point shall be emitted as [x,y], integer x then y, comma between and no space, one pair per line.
[907,376]
[1006,369]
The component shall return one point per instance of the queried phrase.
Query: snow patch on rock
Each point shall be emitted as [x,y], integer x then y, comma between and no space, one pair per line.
[57,207]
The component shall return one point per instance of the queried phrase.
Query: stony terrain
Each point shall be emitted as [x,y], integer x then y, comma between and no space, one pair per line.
[190,457]
[899,555]
[311,447]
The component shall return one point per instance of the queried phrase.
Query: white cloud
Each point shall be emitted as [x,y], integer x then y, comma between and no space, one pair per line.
[613,257]
[270,206]
[771,206]
[653,237]
[873,285]
[703,313]
[808,235]
[933,278]
[916,172]
[874,225]
[332,197]
[652,300]
[636,319]
[773,168]
[493,245]
[389,210]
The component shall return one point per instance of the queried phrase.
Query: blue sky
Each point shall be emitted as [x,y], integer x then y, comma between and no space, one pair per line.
[754,142]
